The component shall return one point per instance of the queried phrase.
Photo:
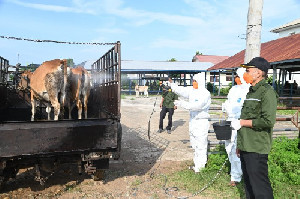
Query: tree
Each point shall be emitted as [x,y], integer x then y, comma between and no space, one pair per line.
[198,53]
[172,60]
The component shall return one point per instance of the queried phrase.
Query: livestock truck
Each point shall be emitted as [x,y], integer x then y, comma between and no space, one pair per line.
[45,145]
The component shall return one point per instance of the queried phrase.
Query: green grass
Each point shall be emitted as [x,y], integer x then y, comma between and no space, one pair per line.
[214,113]
[286,112]
[284,173]
[221,100]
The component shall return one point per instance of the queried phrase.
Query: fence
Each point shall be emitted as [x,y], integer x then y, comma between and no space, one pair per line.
[294,120]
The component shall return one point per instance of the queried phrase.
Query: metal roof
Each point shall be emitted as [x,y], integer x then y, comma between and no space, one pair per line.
[131,66]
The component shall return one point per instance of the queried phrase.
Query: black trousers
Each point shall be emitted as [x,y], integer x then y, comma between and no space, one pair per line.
[255,172]
[163,113]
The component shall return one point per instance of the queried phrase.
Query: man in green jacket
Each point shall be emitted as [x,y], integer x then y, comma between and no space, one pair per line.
[255,128]
[167,105]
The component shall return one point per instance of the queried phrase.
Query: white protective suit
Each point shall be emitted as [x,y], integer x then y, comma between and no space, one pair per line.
[198,104]
[233,106]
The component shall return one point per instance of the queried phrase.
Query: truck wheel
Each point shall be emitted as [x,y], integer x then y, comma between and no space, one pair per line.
[98,175]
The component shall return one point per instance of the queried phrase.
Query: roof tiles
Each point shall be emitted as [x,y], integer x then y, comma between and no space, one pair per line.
[209,58]
[285,48]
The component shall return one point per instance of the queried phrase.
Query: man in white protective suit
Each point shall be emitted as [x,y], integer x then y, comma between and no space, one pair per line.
[233,106]
[198,104]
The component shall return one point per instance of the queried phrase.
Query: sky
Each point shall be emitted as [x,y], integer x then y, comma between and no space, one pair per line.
[149,30]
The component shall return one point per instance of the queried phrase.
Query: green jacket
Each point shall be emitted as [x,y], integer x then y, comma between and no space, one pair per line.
[259,106]
[169,98]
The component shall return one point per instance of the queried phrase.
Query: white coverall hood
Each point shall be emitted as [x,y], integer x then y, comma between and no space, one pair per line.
[240,72]
[200,80]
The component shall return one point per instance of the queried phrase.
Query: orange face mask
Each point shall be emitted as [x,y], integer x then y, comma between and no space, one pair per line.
[195,85]
[248,78]
[238,81]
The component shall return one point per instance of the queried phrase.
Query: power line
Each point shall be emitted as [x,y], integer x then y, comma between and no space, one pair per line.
[59,42]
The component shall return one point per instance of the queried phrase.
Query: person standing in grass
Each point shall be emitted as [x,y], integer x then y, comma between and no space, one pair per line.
[255,129]
[233,106]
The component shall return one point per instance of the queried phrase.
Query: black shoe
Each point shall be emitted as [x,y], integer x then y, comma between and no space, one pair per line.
[169,131]
[159,131]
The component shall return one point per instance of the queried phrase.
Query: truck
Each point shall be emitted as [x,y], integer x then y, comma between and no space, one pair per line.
[45,144]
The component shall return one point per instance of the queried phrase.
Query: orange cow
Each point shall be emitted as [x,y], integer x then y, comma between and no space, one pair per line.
[47,82]
[79,90]
[24,82]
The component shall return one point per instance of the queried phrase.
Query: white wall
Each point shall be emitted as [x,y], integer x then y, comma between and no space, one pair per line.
[288,32]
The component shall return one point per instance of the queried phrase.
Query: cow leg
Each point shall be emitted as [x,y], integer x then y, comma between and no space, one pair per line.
[137,93]
[56,106]
[79,106]
[85,100]
[70,111]
[48,110]
[33,109]
[62,102]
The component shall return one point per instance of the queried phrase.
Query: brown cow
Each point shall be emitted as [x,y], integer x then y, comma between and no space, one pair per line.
[47,82]
[25,80]
[79,90]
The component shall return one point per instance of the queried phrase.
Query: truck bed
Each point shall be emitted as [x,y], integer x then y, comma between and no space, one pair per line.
[54,137]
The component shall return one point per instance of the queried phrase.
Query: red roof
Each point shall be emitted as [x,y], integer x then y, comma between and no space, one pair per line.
[286,48]
[209,58]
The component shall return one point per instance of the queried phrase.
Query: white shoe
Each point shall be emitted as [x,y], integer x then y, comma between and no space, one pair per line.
[193,168]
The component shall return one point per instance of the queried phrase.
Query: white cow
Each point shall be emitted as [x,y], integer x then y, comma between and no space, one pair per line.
[139,89]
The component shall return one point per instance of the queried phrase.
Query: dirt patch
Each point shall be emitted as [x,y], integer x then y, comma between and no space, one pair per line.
[141,170]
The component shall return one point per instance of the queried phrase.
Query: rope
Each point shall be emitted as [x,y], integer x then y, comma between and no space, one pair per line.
[58,42]
[152,113]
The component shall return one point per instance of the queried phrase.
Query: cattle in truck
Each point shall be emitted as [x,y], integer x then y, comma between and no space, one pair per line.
[24,82]
[79,82]
[48,84]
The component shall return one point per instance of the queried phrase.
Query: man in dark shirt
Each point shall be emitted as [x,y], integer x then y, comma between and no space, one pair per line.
[255,129]
[167,105]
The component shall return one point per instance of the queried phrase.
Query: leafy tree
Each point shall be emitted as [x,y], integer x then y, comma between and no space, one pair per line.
[198,53]
[172,60]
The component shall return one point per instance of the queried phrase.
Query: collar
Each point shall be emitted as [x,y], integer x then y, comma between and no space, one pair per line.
[258,85]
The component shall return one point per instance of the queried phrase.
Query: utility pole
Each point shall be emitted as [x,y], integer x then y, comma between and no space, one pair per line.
[253,34]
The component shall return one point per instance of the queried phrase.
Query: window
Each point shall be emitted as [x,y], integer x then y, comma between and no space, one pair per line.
[214,75]
[228,77]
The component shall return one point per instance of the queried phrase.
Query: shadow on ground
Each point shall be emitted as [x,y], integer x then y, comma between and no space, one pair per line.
[138,155]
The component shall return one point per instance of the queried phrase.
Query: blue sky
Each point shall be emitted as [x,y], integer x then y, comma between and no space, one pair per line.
[149,30]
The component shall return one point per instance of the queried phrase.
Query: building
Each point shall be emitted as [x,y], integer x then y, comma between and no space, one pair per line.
[284,57]
[149,73]
[288,29]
